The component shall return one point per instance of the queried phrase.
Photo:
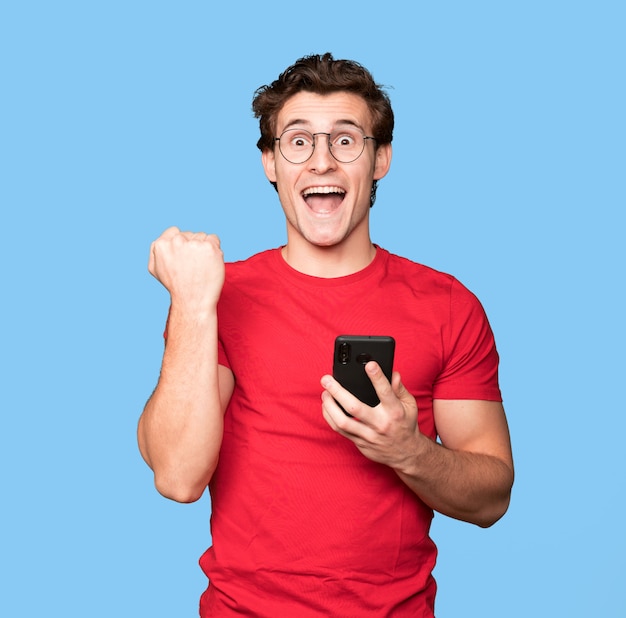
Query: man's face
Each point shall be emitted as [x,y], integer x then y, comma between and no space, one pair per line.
[325,201]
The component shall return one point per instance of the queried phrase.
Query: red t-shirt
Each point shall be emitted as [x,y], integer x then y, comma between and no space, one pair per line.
[302,523]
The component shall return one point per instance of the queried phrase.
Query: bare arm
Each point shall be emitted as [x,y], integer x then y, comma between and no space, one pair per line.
[180,430]
[469,476]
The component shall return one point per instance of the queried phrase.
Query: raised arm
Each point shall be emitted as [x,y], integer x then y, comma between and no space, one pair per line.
[180,429]
[468,476]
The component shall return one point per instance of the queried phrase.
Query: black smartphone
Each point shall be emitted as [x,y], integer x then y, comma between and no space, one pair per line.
[352,353]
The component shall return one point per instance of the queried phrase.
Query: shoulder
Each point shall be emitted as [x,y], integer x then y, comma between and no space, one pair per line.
[417,275]
[405,265]
[258,259]
[250,280]
[252,268]
[428,284]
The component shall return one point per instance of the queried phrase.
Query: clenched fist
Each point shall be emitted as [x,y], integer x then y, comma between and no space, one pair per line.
[190,266]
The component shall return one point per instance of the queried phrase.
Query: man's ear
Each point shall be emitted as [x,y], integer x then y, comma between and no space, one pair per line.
[269,164]
[383,161]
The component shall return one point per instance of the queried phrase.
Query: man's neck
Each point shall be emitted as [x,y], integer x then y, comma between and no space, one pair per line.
[329,262]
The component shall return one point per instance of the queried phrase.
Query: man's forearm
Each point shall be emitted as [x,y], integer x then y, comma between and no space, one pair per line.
[180,430]
[472,487]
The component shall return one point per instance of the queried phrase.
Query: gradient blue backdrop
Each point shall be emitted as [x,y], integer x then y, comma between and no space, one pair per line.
[119,119]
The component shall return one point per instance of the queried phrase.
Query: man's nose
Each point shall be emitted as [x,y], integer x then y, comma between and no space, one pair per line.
[322,159]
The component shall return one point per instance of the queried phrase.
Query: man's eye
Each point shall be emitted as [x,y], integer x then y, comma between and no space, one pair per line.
[300,141]
[344,140]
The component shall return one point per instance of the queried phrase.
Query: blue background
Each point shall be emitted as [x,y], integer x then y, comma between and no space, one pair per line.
[120,119]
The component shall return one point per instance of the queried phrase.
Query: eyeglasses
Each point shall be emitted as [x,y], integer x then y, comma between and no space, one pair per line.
[345,145]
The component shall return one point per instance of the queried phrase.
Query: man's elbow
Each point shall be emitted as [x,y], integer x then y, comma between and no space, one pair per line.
[183,485]
[498,506]
[490,516]
[179,491]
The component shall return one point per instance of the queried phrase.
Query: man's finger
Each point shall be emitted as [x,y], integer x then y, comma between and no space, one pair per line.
[169,232]
[351,404]
[379,380]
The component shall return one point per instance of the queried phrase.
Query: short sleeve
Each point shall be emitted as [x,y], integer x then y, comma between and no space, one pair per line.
[470,369]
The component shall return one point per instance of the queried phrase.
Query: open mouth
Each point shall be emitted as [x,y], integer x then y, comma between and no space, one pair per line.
[323,200]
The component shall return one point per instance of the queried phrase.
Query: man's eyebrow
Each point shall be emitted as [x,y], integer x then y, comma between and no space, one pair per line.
[350,123]
[338,123]
[295,122]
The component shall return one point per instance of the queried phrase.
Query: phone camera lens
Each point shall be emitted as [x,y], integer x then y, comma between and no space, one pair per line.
[344,353]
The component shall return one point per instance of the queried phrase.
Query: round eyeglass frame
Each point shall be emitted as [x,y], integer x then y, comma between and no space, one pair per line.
[314,142]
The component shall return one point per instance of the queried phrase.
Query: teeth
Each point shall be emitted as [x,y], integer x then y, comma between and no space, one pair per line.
[325,190]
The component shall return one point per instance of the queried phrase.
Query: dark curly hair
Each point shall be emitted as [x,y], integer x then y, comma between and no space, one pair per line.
[322,74]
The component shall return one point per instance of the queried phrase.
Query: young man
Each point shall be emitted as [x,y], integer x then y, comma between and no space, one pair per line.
[314,512]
